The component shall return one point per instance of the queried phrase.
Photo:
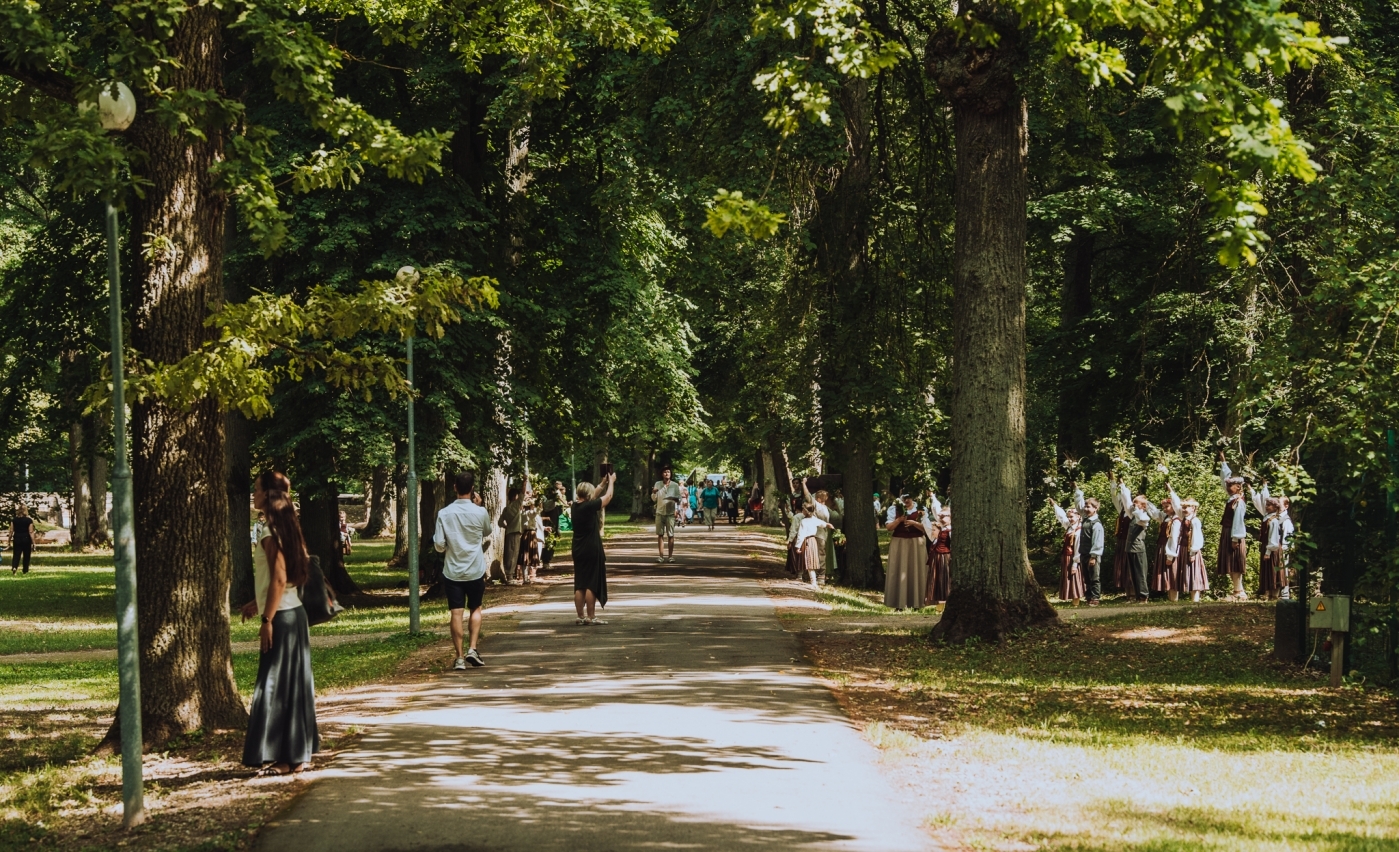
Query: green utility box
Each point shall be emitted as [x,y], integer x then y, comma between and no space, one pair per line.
[1330,612]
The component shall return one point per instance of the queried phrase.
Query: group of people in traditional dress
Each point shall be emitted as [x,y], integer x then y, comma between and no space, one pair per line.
[1178,565]
[920,552]
[815,517]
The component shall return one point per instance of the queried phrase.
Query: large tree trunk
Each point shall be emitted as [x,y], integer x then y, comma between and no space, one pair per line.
[993,590]
[320,524]
[780,469]
[239,485]
[863,567]
[377,505]
[772,502]
[181,513]
[97,481]
[80,467]
[493,499]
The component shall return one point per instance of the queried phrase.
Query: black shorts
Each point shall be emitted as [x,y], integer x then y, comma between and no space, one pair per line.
[464,593]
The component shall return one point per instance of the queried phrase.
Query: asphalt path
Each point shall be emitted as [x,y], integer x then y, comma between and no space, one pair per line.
[690,721]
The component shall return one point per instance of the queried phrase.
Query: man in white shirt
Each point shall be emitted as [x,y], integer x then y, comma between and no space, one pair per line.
[463,533]
[667,493]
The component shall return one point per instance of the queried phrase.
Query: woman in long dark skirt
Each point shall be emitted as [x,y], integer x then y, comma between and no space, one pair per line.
[282,733]
[589,561]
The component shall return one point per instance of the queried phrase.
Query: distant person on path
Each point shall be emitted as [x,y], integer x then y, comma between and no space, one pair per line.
[1090,546]
[282,732]
[464,533]
[667,493]
[345,535]
[589,559]
[709,502]
[512,521]
[1233,531]
[21,539]
[906,583]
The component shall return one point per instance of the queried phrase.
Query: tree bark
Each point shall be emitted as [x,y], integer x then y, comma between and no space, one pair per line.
[80,467]
[98,536]
[320,524]
[780,469]
[493,499]
[772,503]
[239,484]
[181,514]
[863,566]
[377,506]
[993,590]
[400,522]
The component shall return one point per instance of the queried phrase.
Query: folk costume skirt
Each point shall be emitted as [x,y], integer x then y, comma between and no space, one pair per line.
[907,580]
[810,558]
[1271,575]
[1190,573]
[1164,578]
[1121,560]
[1071,585]
[1233,554]
[939,578]
[282,720]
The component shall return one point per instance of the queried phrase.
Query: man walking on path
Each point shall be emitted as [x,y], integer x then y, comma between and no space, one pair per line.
[709,502]
[667,494]
[463,531]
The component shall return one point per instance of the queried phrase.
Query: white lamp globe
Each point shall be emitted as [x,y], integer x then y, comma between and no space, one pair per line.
[408,276]
[116,113]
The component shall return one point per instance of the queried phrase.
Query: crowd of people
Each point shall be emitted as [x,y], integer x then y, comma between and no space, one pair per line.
[1176,564]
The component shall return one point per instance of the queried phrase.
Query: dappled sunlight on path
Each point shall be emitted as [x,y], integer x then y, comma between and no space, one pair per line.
[687,722]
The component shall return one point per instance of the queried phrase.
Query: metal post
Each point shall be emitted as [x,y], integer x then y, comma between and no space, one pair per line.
[412,503]
[124,552]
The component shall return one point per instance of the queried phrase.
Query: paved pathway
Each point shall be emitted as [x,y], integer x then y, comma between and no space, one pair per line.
[689,722]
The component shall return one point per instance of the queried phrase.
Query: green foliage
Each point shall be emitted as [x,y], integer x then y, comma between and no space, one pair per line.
[732,210]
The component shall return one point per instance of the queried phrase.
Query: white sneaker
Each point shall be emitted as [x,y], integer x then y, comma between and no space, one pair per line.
[459,665]
[660,559]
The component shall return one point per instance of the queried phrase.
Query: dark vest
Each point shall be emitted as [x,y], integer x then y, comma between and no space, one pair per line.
[1085,538]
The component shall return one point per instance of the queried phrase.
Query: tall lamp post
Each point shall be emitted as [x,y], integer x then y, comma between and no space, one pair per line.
[116,110]
[409,276]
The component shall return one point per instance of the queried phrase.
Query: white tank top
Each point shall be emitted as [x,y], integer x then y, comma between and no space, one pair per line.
[262,578]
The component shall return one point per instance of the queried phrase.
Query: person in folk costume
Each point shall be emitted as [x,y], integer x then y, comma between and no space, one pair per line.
[1287,530]
[1121,554]
[1141,514]
[1163,573]
[906,582]
[820,502]
[939,552]
[1185,549]
[1071,580]
[808,554]
[1233,532]
[1090,546]
[1272,543]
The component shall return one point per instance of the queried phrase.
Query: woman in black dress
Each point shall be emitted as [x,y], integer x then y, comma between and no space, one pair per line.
[21,538]
[589,561]
[282,733]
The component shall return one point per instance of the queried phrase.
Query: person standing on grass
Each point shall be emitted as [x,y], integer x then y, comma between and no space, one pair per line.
[21,539]
[1139,513]
[822,513]
[1090,545]
[906,585]
[709,502]
[667,493]
[1272,569]
[589,559]
[939,554]
[1233,531]
[282,732]
[807,528]
[1163,574]
[464,533]
[1071,578]
[1186,551]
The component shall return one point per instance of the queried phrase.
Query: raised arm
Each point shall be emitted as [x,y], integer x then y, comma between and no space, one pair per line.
[934,504]
[1123,499]
[1060,514]
[1260,499]
[1175,500]
[1078,498]
[607,495]
[1224,473]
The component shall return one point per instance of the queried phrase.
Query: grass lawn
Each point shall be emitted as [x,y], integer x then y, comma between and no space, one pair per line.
[1159,729]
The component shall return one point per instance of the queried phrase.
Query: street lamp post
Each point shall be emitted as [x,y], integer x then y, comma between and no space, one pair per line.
[409,276]
[116,110]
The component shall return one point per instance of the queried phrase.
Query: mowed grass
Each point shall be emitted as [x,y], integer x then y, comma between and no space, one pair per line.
[66,602]
[1160,729]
